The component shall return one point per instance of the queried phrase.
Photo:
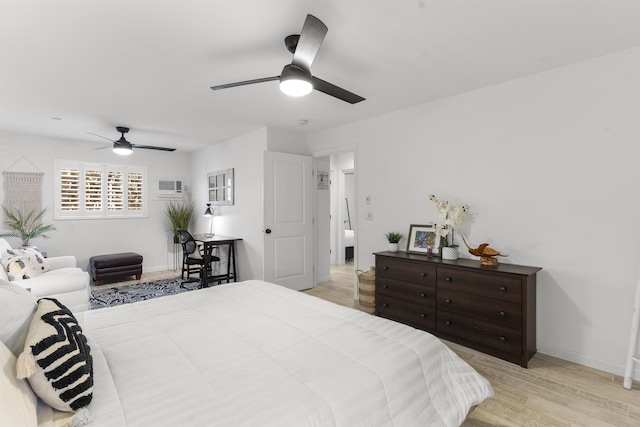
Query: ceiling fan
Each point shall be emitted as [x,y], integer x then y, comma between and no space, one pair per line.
[296,78]
[124,147]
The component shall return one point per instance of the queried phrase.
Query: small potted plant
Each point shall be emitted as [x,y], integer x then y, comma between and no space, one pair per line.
[393,238]
[25,226]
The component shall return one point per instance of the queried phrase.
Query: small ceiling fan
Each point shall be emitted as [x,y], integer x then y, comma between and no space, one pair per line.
[296,78]
[124,147]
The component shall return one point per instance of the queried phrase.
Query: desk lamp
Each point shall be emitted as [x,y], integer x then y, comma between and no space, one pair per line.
[209,213]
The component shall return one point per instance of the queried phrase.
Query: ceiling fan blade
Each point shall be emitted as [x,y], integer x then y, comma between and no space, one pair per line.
[246,82]
[311,37]
[335,91]
[152,147]
[100,136]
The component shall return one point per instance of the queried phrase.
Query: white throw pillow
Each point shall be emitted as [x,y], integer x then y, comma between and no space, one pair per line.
[56,359]
[18,404]
[17,306]
[21,264]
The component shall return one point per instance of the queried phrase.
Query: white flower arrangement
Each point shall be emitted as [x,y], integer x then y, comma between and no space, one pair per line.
[451,218]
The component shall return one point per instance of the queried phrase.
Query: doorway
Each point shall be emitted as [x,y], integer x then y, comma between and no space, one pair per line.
[337,235]
[348,203]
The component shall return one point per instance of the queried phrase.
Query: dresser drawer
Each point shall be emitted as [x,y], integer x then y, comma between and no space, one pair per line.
[496,311]
[487,334]
[406,291]
[415,272]
[491,309]
[422,316]
[487,285]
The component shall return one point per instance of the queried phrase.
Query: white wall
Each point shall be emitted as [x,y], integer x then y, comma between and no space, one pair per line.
[85,238]
[244,218]
[285,141]
[549,165]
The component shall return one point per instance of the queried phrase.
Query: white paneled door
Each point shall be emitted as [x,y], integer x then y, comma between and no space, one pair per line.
[288,220]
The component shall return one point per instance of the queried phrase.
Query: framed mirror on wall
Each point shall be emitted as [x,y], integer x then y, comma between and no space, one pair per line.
[220,185]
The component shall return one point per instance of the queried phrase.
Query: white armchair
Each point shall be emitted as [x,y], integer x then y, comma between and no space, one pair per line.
[64,282]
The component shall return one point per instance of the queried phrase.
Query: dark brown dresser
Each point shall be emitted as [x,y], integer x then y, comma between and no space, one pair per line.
[491,309]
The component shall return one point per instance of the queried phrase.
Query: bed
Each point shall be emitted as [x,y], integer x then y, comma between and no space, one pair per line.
[257,354]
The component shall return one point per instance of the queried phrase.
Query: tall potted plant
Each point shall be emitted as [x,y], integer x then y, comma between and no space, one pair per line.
[179,215]
[25,226]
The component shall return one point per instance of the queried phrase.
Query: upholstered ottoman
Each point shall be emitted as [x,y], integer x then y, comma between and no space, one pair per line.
[115,266]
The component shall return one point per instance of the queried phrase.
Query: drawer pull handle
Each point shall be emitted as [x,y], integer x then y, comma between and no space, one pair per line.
[423,274]
[384,304]
[385,268]
[448,301]
[448,323]
[385,286]
[423,315]
[503,289]
[503,314]
[423,295]
[448,279]
[503,338]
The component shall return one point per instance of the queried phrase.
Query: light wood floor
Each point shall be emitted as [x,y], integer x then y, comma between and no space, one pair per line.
[551,392]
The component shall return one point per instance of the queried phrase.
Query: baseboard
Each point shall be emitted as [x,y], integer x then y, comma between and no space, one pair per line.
[591,362]
[161,268]
[323,279]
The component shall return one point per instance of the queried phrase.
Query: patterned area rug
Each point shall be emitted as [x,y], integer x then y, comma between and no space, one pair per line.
[110,296]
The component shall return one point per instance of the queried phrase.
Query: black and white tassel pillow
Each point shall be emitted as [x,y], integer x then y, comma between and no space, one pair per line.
[22,264]
[56,360]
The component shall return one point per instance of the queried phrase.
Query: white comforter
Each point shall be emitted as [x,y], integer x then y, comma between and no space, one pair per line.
[257,354]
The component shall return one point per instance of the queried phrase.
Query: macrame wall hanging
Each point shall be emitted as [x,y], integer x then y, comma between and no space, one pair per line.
[23,187]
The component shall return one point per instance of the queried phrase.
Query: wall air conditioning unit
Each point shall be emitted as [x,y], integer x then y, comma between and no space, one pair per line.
[169,188]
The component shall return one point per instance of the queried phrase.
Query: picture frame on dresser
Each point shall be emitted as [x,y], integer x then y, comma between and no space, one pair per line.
[423,239]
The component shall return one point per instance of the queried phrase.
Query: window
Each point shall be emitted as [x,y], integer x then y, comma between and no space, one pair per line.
[135,196]
[98,190]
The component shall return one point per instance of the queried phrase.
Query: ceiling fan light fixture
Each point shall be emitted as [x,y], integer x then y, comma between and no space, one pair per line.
[122,147]
[295,81]
[295,87]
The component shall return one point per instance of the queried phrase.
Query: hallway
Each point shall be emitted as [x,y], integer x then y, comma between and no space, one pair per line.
[340,288]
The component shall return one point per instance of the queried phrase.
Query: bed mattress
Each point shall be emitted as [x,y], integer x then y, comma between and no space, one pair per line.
[257,354]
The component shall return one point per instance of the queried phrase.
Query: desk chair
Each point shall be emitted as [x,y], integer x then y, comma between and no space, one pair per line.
[192,257]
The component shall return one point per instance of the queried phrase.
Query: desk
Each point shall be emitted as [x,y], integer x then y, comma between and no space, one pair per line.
[209,242]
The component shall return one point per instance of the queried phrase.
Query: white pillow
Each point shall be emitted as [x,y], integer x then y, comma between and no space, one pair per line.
[18,404]
[17,306]
[21,264]
[56,359]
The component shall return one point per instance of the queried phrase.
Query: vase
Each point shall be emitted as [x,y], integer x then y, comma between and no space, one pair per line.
[393,247]
[449,252]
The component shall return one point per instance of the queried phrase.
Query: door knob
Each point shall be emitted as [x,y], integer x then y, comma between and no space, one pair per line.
[268,231]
